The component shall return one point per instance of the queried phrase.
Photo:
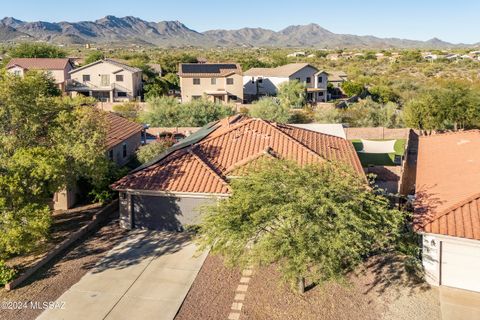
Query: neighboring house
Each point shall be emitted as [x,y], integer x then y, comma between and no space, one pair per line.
[296,54]
[447,208]
[218,82]
[336,78]
[107,80]
[124,137]
[166,193]
[57,68]
[259,82]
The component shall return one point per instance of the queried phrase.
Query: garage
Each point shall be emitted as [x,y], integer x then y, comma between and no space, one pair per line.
[460,265]
[161,212]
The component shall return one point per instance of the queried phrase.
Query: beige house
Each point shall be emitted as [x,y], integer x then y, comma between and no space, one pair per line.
[57,68]
[106,80]
[218,82]
[265,81]
[124,137]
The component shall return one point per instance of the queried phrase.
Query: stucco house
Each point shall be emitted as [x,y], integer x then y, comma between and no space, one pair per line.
[259,82]
[57,68]
[106,80]
[218,82]
[166,193]
[336,78]
[124,137]
[447,208]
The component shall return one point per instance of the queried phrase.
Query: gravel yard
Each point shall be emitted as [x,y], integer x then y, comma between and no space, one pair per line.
[212,292]
[56,277]
[379,289]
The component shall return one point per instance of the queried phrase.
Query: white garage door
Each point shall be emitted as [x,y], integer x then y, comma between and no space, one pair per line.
[461,266]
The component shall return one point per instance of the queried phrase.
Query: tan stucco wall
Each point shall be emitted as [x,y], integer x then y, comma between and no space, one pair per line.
[132,81]
[189,90]
[59,76]
[133,143]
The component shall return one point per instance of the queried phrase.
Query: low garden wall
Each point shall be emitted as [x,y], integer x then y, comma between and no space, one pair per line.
[97,219]
[376,133]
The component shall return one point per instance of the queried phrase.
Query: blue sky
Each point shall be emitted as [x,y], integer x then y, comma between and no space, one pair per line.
[454,21]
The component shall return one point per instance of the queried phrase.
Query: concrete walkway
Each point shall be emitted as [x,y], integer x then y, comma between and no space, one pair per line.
[457,304]
[145,277]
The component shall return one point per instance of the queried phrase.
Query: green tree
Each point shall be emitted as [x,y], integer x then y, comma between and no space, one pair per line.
[169,112]
[351,88]
[94,56]
[292,94]
[270,108]
[317,222]
[149,151]
[445,105]
[46,142]
[162,112]
[156,88]
[129,110]
[36,50]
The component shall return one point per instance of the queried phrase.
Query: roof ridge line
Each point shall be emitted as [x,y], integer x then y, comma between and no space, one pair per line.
[453,207]
[232,127]
[191,151]
[295,140]
[316,132]
[251,158]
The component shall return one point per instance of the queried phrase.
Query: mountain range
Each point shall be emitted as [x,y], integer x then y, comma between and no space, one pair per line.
[132,30]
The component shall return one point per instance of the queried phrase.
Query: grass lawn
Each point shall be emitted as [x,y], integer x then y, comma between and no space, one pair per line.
[379,159]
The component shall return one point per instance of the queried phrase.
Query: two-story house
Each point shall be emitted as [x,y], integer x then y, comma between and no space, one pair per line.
[107,80]
[259,82]
[218,82]
[57,68]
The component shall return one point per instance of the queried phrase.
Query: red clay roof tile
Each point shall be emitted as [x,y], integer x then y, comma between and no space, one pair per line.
[203,166]
[39,63]
[120,129]
[448,185]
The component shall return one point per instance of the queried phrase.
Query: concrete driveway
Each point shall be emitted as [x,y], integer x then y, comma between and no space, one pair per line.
[457,304]
[146,277]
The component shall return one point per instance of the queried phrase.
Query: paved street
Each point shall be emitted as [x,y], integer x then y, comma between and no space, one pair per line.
[145,277]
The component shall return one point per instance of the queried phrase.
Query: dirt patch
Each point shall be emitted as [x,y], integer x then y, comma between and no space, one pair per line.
[212,292]
[380,289]
[51,281]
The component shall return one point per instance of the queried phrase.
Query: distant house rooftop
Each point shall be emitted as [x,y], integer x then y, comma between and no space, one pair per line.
[39,63]
[208,69]
[116,63]
[281,71]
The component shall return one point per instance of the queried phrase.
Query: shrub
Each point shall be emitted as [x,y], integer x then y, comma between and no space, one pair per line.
[270,109]
[6,273]
[148,152]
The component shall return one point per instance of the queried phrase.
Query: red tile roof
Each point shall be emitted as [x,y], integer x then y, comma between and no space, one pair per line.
[203,167]
[448,185]
[39,63]
[120,129]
